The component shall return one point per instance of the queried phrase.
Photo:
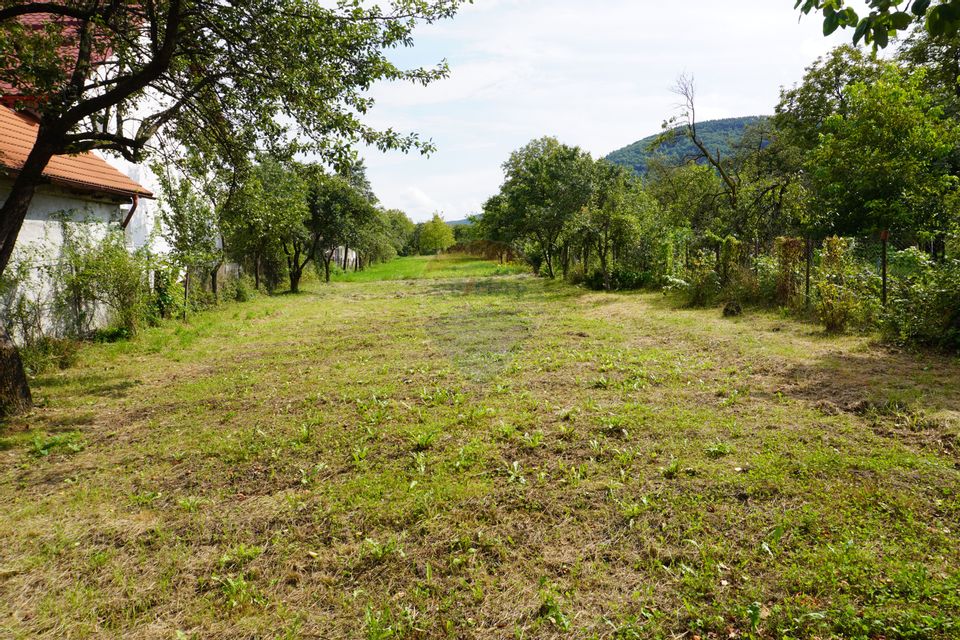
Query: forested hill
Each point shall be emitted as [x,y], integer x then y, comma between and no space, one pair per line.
[717,134]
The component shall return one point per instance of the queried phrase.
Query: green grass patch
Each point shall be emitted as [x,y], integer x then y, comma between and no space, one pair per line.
[440,449]
[431,267]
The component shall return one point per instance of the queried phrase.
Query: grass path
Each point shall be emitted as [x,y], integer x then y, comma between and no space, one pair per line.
[466,455]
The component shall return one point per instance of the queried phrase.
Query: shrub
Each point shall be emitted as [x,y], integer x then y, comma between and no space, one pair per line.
[21,311]
[836,300]
[120,282]
[847,291]
[621,279]
[701,285]
[92,272]
[742,287]
[790,253]
[909,263]
[241,289]
[766,271]
[112,333]
[731,257]
[166,300]
[924,308]
[48,353]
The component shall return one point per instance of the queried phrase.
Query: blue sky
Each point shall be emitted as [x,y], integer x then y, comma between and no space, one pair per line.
[596,74]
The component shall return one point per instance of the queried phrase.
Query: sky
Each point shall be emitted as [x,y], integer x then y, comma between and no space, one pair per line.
[597,74]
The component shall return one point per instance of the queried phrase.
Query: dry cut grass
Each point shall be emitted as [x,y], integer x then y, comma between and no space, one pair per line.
[484,457]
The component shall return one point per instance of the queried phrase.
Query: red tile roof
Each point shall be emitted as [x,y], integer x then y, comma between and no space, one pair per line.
[68,50]
[84,172]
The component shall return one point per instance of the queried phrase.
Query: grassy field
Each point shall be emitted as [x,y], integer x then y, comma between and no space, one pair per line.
[431,268]
[483,456]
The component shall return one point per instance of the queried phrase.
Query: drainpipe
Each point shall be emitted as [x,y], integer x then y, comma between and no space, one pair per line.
[134,203]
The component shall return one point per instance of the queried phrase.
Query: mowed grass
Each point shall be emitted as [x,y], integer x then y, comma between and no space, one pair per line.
[430,267]
[484,457]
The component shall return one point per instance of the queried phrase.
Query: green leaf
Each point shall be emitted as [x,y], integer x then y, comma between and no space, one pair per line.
[881,36]
[936,24]
[830,24]
[920,7]
[901,20]
[861,31]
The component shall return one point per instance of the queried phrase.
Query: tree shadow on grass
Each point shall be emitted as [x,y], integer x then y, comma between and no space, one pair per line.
[880,377]
[95,384]
[911,397]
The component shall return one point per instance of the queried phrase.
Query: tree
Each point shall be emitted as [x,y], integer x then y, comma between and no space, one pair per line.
[282,208]
[336,209]
[199,69]
[189,225]
[752,180]
[804,108]
[113,75]
[939,57]
[886,17]
[886,165]
[546,184]
[610,219]
[400,229]
[436,236]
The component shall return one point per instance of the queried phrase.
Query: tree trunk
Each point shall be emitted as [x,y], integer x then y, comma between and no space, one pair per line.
[214,283]
[327,257]
[256,272]
[15,207]
[295,275]
[14,390]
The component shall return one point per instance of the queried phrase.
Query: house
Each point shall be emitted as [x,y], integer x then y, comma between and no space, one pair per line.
[83,189]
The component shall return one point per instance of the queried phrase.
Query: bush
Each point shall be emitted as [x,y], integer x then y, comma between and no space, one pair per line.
[742,286]
[119,280]
[909,263]
[790,253]
[240,289]
[21,311]
[112,333]
[766,272]
[836,300]
[48,353]
[92,272]
[731,259]
[847,291]
[702,281]
[166,300]
[924,308]
[621,279]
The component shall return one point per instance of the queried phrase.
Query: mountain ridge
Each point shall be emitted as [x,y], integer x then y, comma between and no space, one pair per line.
[719,134]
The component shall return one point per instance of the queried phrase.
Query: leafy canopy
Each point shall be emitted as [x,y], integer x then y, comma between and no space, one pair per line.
[886,17]
[112,75]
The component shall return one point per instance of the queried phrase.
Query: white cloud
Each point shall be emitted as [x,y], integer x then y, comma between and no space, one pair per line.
[595,74]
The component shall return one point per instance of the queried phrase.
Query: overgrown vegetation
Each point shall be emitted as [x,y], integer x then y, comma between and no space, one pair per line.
[841,207]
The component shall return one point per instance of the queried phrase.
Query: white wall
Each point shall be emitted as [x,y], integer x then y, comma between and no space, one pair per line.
[41,238]
[141,231]
[41,223]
